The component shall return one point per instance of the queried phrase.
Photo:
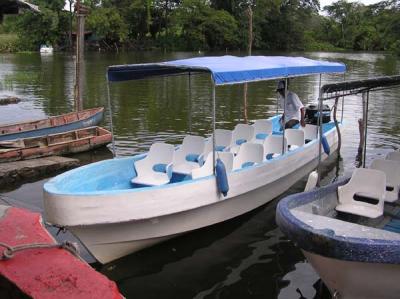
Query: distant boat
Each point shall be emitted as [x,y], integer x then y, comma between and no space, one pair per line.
[52,125]
[44,49]
[55,144]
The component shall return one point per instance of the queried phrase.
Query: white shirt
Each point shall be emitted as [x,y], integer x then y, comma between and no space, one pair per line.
[293,106]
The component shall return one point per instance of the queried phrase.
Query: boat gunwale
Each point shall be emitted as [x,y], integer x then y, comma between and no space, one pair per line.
[50,188]
[325,242]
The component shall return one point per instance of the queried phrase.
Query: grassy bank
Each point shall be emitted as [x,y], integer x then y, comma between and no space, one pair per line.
[9,43]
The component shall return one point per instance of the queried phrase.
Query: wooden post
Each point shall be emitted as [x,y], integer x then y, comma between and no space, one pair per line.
[337,125]
[249,47]
[81,12]
[361,127]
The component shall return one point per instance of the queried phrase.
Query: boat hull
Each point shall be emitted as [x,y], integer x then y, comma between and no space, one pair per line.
[57,144]
[357,280]
[108,242]
[52,125]
[112,224]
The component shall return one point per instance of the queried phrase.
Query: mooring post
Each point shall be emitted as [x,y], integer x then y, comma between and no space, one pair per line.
[337,125]
[81,12]
[361,128]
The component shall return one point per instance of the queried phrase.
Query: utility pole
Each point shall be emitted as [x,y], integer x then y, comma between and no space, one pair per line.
[81,12]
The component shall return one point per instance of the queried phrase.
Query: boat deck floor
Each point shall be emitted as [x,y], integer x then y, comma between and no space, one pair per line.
[394,224]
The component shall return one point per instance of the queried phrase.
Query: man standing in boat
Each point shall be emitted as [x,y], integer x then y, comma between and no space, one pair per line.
[294,109]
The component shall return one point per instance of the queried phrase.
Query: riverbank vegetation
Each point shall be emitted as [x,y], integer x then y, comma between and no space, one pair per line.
[204,25]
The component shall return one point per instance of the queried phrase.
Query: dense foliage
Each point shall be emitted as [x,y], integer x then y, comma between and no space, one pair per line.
[211,25]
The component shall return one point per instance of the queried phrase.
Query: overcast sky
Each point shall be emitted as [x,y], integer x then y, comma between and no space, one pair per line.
[365,2]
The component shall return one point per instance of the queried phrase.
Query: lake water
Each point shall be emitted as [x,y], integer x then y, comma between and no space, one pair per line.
[247,257]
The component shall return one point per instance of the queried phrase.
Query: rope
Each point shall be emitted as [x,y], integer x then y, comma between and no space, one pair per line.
[9,251]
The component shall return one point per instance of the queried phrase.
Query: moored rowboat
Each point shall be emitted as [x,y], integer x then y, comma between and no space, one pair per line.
[52,125]
[56,144]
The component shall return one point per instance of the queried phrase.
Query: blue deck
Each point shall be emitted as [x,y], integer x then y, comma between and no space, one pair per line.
[393,225]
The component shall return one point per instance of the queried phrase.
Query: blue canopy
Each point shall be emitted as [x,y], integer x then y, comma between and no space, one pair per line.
[229,69]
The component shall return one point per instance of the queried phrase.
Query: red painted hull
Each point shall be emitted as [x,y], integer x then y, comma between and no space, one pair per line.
[46,272]
[56,144]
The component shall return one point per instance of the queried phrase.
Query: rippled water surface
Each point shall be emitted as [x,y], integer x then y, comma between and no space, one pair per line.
[247,257]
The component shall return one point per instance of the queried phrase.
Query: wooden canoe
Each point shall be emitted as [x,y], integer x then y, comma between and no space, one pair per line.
[55,144]
[52,125]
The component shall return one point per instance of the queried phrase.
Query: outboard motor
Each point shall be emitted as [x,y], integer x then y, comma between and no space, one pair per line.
[312,113]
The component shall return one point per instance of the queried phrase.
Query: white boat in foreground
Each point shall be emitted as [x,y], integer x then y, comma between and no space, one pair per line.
[119,206]
[349,231]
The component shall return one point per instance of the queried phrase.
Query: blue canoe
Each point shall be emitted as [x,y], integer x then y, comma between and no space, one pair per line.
[52,125]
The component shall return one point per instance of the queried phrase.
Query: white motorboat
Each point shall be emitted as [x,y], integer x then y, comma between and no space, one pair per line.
[45,49]
[349,231]
[119,206]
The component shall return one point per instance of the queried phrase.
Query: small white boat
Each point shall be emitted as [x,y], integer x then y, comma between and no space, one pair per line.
[349,231]
[45,49]
[119,206]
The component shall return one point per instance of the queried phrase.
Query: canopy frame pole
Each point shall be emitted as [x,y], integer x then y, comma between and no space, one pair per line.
[341,117]
[365,126]
[190,102]
[213,122]
[284,116]
[111,118]
[320,131]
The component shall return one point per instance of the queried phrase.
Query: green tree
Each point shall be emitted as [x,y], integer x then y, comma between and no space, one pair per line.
[204,28]
[108,25]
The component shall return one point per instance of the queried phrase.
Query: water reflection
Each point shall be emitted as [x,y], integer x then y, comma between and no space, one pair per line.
[247,257]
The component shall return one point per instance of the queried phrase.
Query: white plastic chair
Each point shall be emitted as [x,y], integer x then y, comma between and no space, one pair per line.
[223,139]
[311,181]
[262,129]
[187,155]
[394,156]
[295,138]
[364,182]
[273,146]
[241,134]
[248,155]
[207,168]
[392,171]
[156,168]
[310,132]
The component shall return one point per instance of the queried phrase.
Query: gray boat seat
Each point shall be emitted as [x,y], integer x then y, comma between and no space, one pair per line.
[223,140]
[262,129]
[241,134]
[367,183]
[295,138]
[156,168]
[186,157]
[207,168]
[310,132]
[273,146]
[249,154]
[392,171]
[394,156]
